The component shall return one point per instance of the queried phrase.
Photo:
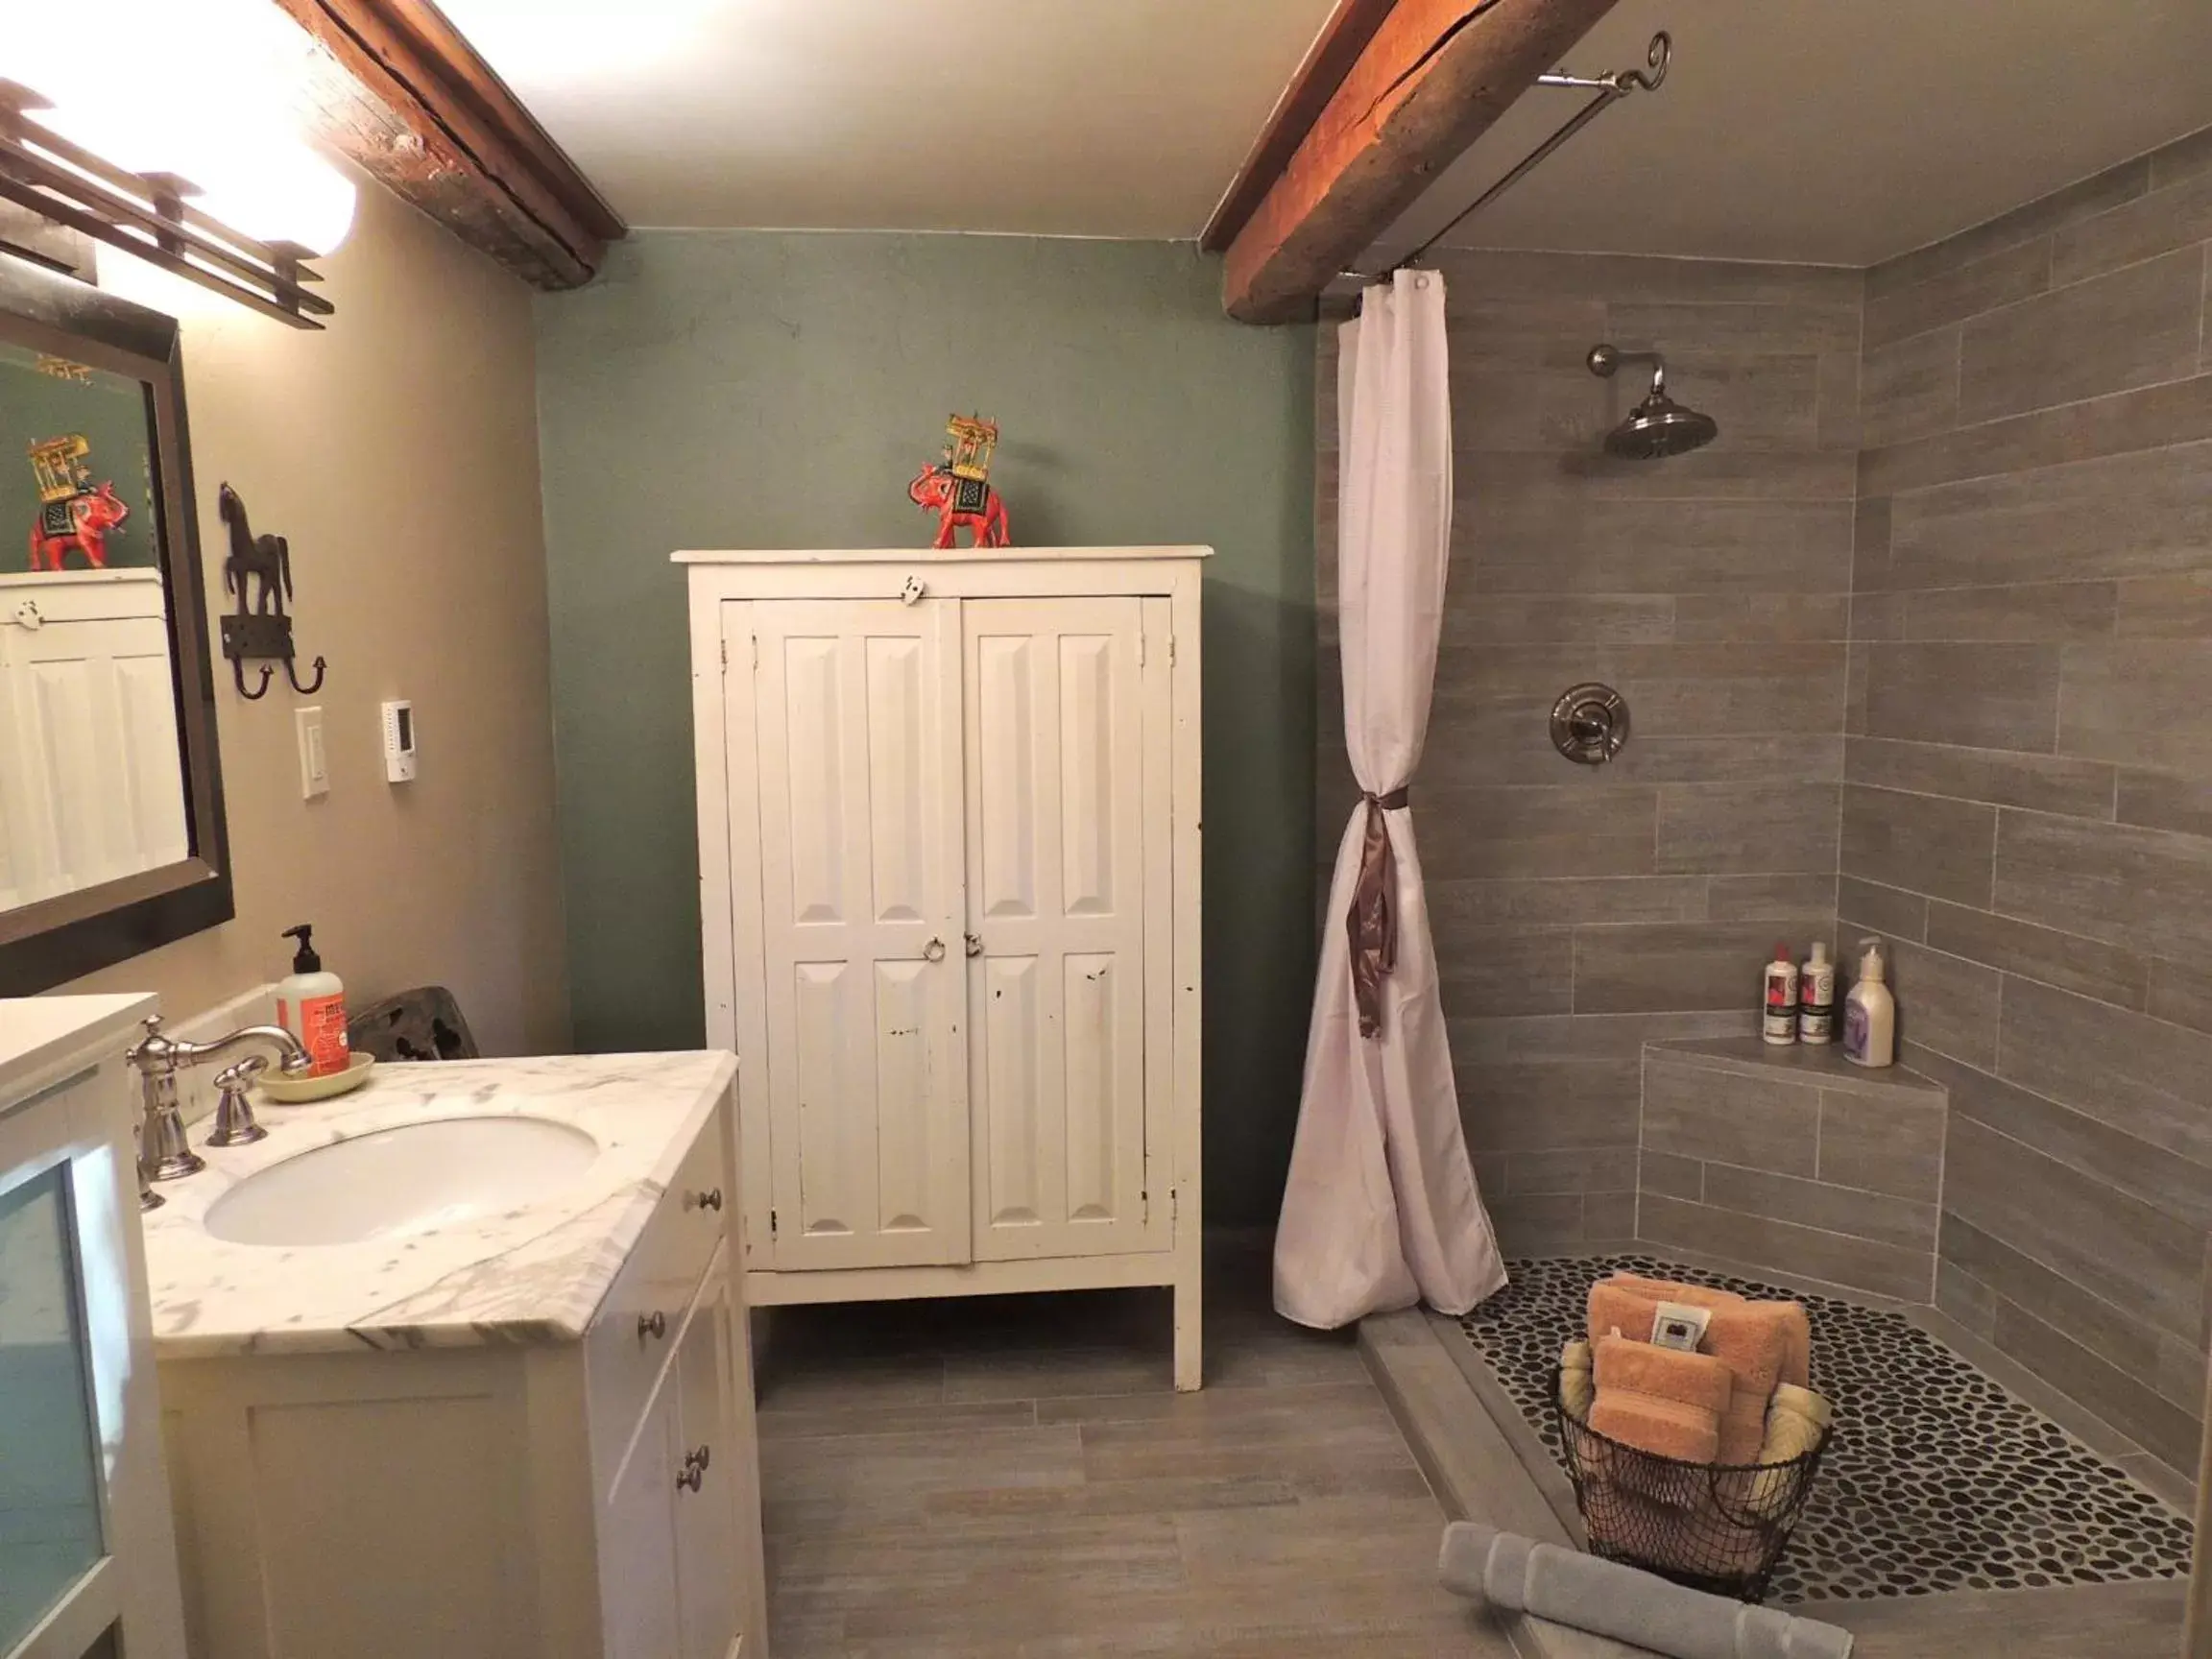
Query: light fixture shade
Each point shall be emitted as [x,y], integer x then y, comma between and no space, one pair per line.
[193,89]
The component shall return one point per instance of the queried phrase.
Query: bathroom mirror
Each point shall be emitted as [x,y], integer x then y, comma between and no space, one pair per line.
[111,835]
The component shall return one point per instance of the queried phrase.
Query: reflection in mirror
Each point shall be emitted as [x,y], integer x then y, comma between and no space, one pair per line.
[112,832]
[91,784]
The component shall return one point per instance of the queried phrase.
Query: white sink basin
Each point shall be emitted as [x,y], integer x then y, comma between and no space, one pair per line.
[391,1183]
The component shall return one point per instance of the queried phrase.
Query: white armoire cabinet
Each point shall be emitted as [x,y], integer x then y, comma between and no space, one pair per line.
[949,828]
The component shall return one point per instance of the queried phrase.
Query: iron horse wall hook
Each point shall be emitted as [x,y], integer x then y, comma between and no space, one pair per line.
[258,574]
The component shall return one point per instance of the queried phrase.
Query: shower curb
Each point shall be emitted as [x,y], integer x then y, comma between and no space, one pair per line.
[1471,1464]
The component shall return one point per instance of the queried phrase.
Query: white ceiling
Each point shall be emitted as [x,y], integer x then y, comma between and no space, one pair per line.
[1829,131]
[1833,131]
[1055,117]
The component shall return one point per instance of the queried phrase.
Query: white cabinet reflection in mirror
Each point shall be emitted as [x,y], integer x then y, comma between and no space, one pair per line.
[90,784]
[502,1406]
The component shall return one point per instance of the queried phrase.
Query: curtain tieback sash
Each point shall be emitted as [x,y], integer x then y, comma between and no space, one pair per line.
[1374,916]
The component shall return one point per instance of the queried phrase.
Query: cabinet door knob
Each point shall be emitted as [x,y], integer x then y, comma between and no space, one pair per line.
[687,1479]
[933,952]
[653,1324]
[911,590]
[975,944]
[710,1199]
[699,1457]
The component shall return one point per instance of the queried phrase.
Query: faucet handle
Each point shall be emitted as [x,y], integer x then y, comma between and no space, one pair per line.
[234,1124]
[156,1050]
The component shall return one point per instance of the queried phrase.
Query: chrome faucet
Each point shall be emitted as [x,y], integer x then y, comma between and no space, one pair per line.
[165,1152]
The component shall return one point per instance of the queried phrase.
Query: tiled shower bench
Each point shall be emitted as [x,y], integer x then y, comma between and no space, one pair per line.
[1794,1159]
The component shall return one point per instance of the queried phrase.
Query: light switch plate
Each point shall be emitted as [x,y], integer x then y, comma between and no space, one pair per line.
[314,764]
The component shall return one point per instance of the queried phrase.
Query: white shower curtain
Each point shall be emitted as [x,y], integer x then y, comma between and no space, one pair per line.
[1381,1210]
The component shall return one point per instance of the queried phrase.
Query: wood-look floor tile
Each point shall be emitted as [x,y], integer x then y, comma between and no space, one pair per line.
[1188,1414]
[870,1480]
[1101,1514]
[794,1423]
[1054,1373]
[822,1382]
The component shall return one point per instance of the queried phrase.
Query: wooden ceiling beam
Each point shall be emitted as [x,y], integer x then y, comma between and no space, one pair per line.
[1433,78]
[1334,51]
[396,89]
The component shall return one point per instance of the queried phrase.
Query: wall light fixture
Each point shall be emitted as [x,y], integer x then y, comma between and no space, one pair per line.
[169,144]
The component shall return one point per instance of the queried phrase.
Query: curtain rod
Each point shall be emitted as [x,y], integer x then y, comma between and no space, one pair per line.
[1609,90]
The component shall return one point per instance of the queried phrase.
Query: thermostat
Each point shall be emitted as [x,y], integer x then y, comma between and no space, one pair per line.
[398,741]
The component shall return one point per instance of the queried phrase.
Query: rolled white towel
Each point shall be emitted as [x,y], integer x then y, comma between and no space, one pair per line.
[1607,1598]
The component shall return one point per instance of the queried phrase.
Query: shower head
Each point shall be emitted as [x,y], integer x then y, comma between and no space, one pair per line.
[1658,426]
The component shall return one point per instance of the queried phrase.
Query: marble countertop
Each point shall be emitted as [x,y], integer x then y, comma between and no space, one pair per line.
[531,1274]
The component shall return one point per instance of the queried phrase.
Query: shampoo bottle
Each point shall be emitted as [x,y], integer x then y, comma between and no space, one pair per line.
[311,1005]
[1778,1022]
[1816,996]
[1871,1012]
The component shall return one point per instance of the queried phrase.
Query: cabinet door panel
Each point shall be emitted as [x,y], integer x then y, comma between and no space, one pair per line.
[91,788]
[1057,798]
[707,1563]
[858,732]
[637,1542]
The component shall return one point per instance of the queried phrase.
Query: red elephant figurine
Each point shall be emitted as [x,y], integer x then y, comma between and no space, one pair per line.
[969,501]
[90,515]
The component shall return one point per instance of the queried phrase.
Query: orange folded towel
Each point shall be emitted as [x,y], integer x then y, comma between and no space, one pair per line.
[1760,1343]
[1660,1400]
[1671,1290]
[1703,1381]
[1797,1355]
[1650,1424]
[1753,1340]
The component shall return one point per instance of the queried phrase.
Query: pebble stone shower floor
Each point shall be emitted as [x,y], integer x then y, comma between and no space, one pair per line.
[1939,1480]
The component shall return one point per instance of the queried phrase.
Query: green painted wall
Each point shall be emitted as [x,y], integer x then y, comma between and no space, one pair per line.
[109,412]
[778,388]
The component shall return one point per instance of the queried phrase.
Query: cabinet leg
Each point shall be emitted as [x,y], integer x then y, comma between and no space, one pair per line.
[1189,1367]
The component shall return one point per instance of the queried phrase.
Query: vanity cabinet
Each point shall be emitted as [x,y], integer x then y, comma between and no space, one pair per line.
[87,1559]
[672,1523]
[948,820]
[578,1499]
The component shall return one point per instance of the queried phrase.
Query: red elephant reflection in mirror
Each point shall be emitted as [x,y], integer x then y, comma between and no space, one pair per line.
[83,521]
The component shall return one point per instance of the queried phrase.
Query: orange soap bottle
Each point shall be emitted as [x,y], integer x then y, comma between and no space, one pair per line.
[311,1005]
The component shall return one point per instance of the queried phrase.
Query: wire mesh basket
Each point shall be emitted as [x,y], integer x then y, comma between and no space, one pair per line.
[1714,1527]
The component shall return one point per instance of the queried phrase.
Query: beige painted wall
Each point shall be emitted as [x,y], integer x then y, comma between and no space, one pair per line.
[398,452]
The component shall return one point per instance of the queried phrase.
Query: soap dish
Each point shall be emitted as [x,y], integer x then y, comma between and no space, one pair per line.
[301,1091]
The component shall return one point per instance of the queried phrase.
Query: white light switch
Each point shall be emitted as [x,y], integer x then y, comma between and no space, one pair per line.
[314,769]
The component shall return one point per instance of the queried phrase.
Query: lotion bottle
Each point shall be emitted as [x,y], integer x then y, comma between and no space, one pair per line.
[1817,996]
[1778,1021]
[1871,1012]
[311,1005]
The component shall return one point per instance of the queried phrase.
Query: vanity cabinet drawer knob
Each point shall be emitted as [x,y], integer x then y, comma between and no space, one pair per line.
[653,1324]
[694,1470]
[710,1199]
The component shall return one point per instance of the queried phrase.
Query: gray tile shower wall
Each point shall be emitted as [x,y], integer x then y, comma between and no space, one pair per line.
[2028,766]
[1583,911]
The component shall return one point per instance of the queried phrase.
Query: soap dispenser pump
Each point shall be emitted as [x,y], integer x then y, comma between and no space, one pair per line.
[1871,1012]
[311,1005]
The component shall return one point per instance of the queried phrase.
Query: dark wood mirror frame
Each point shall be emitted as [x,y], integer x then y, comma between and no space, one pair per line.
[55,940]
